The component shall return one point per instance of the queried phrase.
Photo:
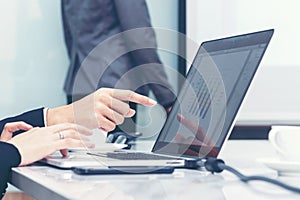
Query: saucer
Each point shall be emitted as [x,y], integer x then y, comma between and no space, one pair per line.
[282,167]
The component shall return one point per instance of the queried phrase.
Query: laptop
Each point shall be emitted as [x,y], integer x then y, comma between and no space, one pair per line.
[204,113]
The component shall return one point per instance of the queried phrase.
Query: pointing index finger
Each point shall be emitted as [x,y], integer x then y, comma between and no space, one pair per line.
[127,95]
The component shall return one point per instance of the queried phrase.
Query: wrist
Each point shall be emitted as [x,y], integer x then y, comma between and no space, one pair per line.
[58,115]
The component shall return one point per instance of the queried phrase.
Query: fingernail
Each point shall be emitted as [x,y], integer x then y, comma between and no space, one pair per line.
[180,117]
[109,138]
[152,101]
[130,113]
[121,139]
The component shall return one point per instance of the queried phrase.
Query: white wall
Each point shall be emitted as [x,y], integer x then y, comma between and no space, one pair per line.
[33,60]
[273,97]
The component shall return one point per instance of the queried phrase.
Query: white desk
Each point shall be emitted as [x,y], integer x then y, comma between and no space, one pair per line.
[49,183]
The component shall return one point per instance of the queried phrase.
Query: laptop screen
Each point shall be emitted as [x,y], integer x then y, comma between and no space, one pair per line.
[206,108]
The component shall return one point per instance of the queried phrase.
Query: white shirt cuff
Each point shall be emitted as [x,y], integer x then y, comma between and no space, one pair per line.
[45,116]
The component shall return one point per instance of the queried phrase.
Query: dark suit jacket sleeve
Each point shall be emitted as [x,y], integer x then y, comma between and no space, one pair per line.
[33,117]
[9,154]
[134,14]
[9,157]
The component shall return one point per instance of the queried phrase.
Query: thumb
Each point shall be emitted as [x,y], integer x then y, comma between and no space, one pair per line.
[5,136]
[10,128]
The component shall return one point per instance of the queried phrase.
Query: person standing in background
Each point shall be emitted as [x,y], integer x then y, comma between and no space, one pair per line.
[88,23]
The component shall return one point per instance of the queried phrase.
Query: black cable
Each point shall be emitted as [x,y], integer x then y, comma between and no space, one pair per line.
[217,165]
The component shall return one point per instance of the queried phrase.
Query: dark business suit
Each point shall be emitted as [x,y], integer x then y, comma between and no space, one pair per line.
[9,155]
[33,117]
[90,22]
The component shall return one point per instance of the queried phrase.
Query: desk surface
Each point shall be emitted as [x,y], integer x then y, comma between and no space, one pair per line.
[44,182]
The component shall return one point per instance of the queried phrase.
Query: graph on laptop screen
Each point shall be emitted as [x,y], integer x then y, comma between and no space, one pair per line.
[211,95]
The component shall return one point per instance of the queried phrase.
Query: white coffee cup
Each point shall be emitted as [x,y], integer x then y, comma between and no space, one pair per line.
[286,141]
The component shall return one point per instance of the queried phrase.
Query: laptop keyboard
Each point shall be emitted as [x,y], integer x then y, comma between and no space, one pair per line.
[134,156]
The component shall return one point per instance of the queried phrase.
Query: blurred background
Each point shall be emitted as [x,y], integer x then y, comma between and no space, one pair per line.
[33,58]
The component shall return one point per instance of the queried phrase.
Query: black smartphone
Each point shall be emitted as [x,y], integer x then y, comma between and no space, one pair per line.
[102,170]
